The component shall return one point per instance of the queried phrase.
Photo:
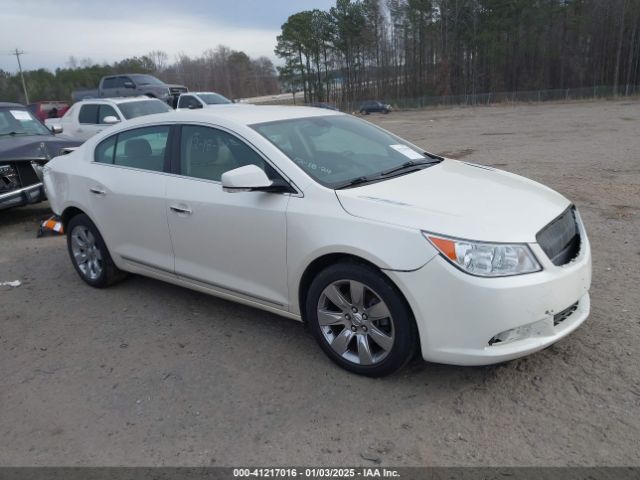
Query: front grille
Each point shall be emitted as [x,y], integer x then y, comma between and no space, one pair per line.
[27,174]
[9,179]
[560,240]
[558,318]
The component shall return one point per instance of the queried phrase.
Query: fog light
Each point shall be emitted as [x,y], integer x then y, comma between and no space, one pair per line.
[511,335]
[540,328]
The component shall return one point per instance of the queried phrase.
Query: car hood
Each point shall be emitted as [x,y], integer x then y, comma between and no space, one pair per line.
[461,200]
[33,147]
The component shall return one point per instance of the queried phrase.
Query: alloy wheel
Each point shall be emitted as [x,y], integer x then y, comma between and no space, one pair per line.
[356,322]
[86,253]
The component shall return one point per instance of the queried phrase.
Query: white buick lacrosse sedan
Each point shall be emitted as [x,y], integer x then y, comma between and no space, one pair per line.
[380,247]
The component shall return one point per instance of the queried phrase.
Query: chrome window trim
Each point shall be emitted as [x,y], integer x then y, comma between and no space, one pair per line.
[298,190]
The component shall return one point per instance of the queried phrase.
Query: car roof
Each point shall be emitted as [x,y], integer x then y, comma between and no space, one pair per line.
[116,100]
[227,115]
[11,105]
[250,116]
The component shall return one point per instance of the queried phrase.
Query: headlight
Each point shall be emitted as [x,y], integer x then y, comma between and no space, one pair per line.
[486,259]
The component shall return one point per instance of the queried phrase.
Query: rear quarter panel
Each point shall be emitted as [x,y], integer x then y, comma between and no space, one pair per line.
[65,182]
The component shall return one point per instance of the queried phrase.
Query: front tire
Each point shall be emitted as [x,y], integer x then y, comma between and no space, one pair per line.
[360,319]
[89,254]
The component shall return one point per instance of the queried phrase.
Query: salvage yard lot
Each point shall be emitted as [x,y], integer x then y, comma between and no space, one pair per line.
[147,373]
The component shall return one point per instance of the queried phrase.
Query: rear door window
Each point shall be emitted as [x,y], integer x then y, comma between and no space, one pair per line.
[88,114]
[109,82]
[105,149]
[142,148]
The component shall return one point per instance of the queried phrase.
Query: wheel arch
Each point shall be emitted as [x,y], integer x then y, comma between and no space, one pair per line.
[324,261]
[68,214]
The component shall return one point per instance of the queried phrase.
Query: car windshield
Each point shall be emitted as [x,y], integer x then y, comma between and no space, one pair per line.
[146,80]
[20,121]
[213,98]
[338,149]
[143,107]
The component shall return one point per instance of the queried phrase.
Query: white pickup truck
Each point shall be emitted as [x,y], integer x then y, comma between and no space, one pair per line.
[88,117]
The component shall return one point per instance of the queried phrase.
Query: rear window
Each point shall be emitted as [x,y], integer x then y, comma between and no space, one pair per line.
[214,99]
[143,107]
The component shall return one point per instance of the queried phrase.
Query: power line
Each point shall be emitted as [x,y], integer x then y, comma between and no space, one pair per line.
[17,53]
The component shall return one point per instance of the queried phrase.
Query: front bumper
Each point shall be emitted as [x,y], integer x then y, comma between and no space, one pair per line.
[458,314]
[22,196]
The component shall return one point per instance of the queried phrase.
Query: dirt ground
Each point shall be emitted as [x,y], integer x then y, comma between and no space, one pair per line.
[147,373]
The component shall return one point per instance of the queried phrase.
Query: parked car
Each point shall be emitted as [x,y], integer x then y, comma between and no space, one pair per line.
[195,100]
[88,117]
[48,109]
[328,106]
[133,85]
[373,106]
[380,247]
[25,146]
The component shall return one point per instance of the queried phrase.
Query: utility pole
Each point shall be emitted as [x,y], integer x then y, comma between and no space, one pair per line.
[17,53]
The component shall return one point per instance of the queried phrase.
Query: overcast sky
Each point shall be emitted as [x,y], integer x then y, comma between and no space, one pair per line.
[50,31]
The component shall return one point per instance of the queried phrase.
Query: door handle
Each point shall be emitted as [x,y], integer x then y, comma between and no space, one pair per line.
[182,210]
[98,191]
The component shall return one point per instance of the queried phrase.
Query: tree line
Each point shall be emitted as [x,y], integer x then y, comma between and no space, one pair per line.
[398,49]
[229,72]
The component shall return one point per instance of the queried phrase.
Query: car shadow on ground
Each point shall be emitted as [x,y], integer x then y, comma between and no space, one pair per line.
[31,214]
[261,327]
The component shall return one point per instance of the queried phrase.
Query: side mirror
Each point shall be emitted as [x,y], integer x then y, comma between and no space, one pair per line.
[110,120]
[252,178]
[129,85]
[55,129]
[194,106]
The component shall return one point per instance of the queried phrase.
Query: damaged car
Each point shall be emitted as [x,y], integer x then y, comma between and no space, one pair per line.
[382,248]
[25,146]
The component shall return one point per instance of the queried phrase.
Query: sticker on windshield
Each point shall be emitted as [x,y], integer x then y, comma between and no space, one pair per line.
[20,115]
[407,152]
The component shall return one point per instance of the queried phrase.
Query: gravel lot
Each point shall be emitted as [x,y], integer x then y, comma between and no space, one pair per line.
[146,373]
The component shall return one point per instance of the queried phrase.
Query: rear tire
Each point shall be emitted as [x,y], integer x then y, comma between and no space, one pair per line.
[360,319]
[89,254]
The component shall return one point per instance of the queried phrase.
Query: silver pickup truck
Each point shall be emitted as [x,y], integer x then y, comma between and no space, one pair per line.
[132,85]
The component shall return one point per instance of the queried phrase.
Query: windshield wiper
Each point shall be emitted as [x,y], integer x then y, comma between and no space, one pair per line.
[411,164]
[356,181]
[13,133]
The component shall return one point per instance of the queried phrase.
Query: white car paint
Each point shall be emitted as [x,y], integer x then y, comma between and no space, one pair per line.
[73,128]
[254,247]
[450,193]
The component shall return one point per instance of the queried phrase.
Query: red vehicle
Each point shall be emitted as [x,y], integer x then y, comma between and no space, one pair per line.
[48,109]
